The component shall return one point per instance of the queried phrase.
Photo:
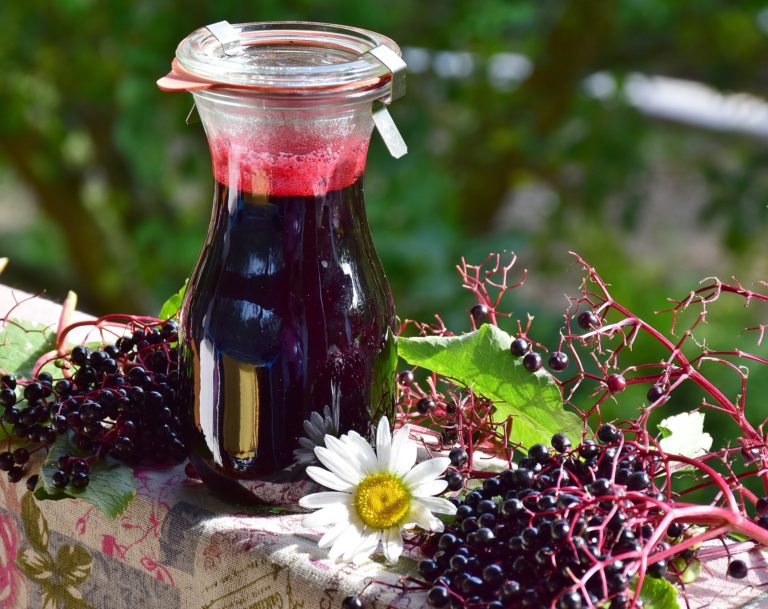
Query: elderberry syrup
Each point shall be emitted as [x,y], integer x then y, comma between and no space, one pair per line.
[288,312]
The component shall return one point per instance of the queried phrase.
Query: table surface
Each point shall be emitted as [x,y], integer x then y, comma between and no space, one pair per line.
[176,546]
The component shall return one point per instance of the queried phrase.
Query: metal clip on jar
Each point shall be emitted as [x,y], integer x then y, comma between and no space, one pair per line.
[288,316]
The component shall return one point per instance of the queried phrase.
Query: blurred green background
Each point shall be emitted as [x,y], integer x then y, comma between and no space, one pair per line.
[631,131]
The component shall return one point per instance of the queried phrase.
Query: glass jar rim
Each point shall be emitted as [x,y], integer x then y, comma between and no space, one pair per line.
[293,58]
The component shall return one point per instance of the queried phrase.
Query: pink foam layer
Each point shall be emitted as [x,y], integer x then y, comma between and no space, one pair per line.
[308,170]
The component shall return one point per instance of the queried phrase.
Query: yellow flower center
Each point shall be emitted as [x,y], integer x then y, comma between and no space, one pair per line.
[382,501]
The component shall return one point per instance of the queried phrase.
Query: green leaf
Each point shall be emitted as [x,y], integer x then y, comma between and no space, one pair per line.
[481,360]
[691,571]
[172,306]
[111,485]
[35,524]
[21,343]
[658,593]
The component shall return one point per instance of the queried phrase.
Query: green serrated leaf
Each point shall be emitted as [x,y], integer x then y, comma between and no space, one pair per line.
[35,524]
[111,485]
[481,360]
[658,593]
[172,306]
[21,343]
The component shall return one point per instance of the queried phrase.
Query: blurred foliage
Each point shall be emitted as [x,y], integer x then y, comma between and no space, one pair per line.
[122,186]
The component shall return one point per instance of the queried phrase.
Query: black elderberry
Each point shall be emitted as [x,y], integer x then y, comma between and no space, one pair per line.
[425,405]
[639,481]
[79,466]
[428,569]
[20,455]
[523,477]
[470,525]
[458,457]
[608,433]
[622,475]
[15,474]
[737,569]
[63,387]
[491,487]
[519,347]
[480,313]
[588,320]
[658,569]
[471,586]
[616,383]
[447,541]
[571,600]
[512,507]
[8,380]
[617,582]
[438,596]
[655,393]
[619,602]
[455,481]
[60,478]
[7,397]
[589,449]
[530,598]
[33,391]
[80,355]
[510,590]
[558,361]
[405,377]
[539,453]
[6,461]
[80,480]
[32,482]
[85,377]
[532,361]
[561,443]
[352,602]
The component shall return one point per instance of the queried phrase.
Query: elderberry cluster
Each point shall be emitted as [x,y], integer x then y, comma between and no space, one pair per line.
[120,400]
[565,530]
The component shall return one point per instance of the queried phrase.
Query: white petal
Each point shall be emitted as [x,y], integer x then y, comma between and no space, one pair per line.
[369,541]
[343,455]
[405,457]
[331,536]
[429,488]
[366,548]
[338,465]
[436,504]
[308,444]
[327,479]
[324,499]
[365,453]
[425,519]
[328,515]
[350,538]
[393,544]
[399,454]
[426,470]
[383,443]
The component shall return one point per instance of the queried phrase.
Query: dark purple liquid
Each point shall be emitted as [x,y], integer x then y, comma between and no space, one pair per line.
[288,300]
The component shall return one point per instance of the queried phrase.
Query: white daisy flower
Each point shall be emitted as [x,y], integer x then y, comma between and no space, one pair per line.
[317,427]
[374,494]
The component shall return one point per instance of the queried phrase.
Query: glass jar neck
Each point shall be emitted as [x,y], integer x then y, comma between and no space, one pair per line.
[284,147]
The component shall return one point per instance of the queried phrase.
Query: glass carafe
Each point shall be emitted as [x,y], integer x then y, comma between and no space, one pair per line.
[288,312]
